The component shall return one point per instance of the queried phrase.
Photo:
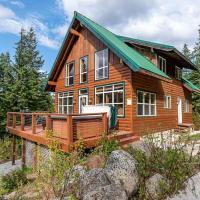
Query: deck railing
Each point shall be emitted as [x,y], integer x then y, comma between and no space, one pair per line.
[64,126]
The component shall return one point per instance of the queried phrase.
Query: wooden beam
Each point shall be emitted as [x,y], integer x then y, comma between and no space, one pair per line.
[23,153]
[14,120]
[22,122]
[33,124]
[75,32]
[51,83]
[105,123]
[13,150]
[69,129]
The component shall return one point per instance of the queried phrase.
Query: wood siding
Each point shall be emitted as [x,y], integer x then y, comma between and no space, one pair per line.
[118,72]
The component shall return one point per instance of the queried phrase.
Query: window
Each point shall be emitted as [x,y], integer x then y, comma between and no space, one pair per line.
[162,64]
[178,73]
[167,101]
[186,109]
[111,95]
[83,69]
[146,103]
[101,64]
[65,102]
[69,74]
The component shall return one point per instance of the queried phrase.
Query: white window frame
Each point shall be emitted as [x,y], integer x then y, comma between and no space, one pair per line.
[167,102]
[104,67]
[186,106]
[164,64]
[80,69]
[113,92]
[67,95]
[149,104]
[179,74]
[67,77]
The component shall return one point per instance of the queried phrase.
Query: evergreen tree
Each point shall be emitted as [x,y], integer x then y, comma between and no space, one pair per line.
[194,76]
[186,52]
[28,65]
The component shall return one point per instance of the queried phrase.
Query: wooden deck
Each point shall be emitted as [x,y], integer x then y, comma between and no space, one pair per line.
[42,128]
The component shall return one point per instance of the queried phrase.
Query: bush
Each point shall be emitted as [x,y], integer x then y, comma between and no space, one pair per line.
[6,148]
[13,181]
[196,120]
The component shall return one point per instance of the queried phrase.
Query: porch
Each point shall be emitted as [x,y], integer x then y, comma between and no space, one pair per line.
[67,130]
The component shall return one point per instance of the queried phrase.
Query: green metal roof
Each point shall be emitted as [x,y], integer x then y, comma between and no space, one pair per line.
[131,57]
[146,43]
[190,85]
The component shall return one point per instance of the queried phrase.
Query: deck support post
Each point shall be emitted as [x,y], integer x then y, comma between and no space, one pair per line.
[14,120]
[33,124]
[22,122]
[105,123]
[48,123]
[13,150]
[23,153]
[70,129]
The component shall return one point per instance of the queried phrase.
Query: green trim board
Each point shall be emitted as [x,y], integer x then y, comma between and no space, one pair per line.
[190,85]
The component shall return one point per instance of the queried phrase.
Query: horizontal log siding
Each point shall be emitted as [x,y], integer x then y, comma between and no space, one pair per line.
[87,46]
[166,118]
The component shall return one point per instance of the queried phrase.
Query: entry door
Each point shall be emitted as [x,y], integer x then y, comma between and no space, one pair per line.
[180,115]
[83,100]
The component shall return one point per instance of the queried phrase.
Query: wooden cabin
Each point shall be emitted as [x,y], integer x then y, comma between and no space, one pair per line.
[97,67]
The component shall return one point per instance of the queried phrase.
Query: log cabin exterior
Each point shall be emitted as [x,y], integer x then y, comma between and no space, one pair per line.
[97,67]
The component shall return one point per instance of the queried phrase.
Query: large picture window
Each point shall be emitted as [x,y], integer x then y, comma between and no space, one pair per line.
[69,74]
[101,64]
[65,102]
[146,103]
[111,95]
[83,69]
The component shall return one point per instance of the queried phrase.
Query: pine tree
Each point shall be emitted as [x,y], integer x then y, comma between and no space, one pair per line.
[186,52]
[194,76]
[28,65]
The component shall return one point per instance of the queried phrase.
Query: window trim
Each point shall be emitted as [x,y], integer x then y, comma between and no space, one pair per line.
[163,59]
[145,103]
[67,85]
[66,105]
[114,83]
[80,69]
[95,75]
[178,78]
[168,96]
[186,108]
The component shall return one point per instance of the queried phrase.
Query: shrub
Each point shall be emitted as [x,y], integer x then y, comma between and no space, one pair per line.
[13,180]
[196,121]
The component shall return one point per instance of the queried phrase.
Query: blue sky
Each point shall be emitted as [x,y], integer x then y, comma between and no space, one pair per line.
[173,22]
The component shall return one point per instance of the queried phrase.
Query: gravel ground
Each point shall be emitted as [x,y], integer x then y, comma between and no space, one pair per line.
[7,167]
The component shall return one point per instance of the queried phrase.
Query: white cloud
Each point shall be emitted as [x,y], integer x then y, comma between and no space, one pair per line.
[20,4]
[10,23]
[61,30]
[173,21]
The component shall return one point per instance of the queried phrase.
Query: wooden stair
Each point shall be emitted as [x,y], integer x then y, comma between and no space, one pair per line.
[184,128]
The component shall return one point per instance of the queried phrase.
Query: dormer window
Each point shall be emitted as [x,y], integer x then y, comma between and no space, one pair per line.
[178,73]
[162,64]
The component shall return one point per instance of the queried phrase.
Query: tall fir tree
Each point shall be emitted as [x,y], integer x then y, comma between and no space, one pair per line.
[28,65]
[194,76]
[186,52]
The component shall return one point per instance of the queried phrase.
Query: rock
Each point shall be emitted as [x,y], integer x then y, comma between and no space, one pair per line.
[141,146]
[192,190]
[10,196]
[90,181]
[109,192]
[30,195]
[121,169]
[96,161]
[152,185]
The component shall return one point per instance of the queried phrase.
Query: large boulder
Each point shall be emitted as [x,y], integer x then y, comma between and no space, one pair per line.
[152,185]
[109,192]
[121,169]
[90,181]
[142,146]
[192,190]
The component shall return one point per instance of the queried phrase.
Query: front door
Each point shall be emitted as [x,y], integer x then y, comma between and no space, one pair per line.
[180,115]
[83,99]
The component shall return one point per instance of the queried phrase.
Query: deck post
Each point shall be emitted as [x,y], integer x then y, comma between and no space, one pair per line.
[105,122]
[14,120]
[22,122]
[48,122]
[70,129]
[13,150]
[23,153]
[33,124]
[8,119]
